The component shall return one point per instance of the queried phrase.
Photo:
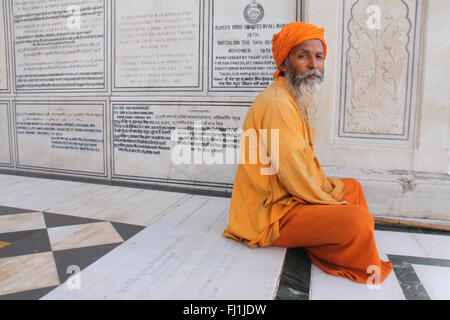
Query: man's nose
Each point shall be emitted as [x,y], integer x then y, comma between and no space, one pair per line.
[312,63]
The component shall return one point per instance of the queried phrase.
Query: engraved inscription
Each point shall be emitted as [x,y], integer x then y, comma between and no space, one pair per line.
[157,43]
[242,42]
[53,50]
[60,136]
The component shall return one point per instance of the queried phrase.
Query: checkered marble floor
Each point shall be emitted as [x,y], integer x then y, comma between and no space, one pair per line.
[40,250]
[131,243]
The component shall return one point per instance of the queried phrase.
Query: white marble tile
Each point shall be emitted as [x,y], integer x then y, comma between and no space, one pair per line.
[71,198]
[182,256]
[329,287]
[7,183]
[22,198]
[400,243]
[83,235]
[27,272]
[9,193]
[51,198]
[89,196]
[36,198]
[435,279]
[102,201]
[120,204]
[22,222]
[64,194]
[435,246]
[152,206]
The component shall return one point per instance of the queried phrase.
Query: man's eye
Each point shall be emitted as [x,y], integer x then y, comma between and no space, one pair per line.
[319,57]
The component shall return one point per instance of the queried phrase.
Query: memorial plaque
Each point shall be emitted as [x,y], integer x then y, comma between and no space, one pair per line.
[3,51]
[241,42]
[65,136]
[157,44]
[5,155]
[59,45]
[195,143]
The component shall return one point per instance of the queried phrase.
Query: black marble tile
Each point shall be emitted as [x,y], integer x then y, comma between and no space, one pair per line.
[10,210]
[126,231]
[53,220]
[409,281]
[25,242]
[296,276]
[387,227]
[79,257]
[28,295]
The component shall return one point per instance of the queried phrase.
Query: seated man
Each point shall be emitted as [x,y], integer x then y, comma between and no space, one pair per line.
[297,205]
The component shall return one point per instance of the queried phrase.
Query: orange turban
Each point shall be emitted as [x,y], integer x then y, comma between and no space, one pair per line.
[291,35]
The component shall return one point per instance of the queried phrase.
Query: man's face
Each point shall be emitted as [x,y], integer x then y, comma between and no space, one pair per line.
[307,55]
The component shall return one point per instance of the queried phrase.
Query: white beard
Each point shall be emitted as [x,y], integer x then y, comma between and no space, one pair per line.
[305,91]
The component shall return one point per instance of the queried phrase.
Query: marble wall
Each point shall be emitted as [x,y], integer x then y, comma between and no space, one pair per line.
[387,98]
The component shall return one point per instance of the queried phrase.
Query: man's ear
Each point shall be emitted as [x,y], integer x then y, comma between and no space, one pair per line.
[283,66]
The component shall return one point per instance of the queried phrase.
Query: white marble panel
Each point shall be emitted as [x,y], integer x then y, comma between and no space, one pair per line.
[62,47]
[3,50]
[65,136]
[171,141]
[157,44]
[379,69]
[435,280]
[432,153]
[241,35]
[5,136]
[182,256]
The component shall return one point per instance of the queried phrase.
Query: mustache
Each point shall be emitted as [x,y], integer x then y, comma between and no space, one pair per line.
[310,73]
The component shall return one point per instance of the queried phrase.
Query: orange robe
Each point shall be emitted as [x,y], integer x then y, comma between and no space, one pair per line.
[258,201]
[338,239]
[298,206]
